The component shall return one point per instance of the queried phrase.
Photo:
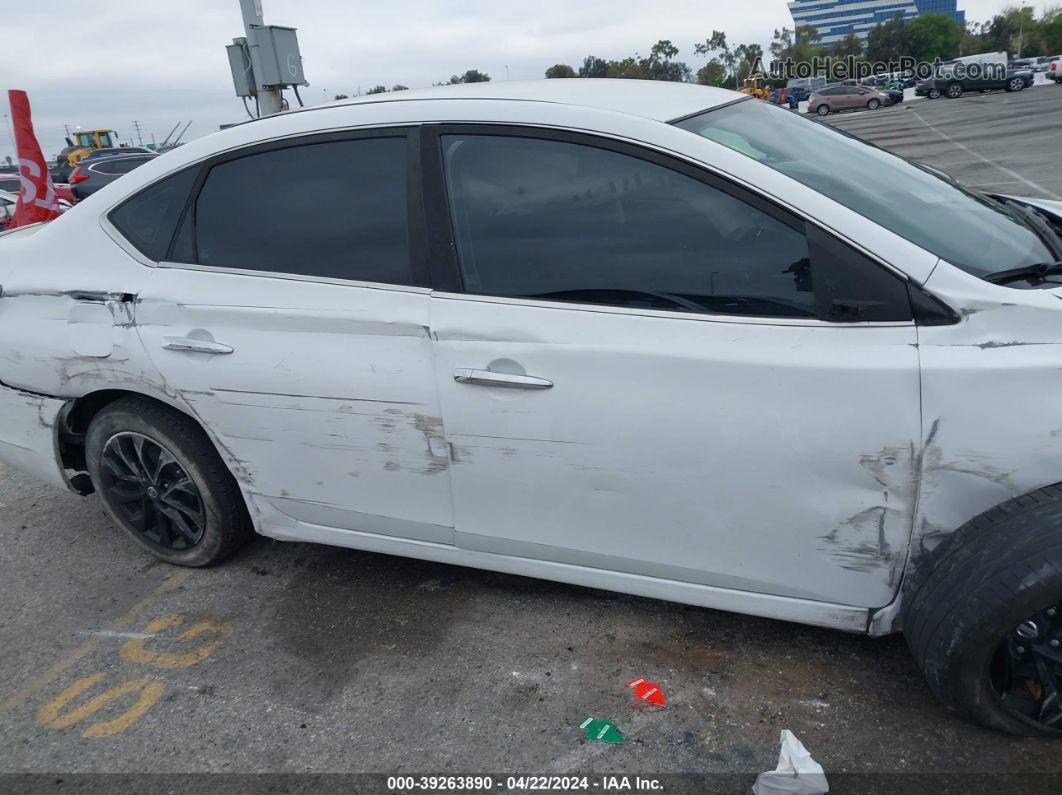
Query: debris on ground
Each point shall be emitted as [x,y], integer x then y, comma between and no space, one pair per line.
[601,731]
[648,692]
[797,773]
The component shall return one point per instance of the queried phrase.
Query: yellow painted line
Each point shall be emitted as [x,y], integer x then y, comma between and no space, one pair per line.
[31,687]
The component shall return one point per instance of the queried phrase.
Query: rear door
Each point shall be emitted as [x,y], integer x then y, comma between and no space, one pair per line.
[647,370]
[290,314]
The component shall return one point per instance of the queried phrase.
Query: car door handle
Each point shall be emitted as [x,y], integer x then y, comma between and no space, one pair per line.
[190,345]
[464,375]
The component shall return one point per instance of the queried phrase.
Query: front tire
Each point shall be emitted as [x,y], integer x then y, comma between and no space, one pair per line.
[984,616]
[873,104]
[823,110]
[1015,84]
[933,93]
[162,481]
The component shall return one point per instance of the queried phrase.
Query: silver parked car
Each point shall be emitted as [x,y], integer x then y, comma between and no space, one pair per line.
[833,99]
[653,337]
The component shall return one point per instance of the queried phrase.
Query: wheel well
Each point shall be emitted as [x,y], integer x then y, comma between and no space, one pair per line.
[76,418]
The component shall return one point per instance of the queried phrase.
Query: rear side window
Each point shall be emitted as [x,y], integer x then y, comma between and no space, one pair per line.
[122,165]
[149,218]
[335,209]
[563,221]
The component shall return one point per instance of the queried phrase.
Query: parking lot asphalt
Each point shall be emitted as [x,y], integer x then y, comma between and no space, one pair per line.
[296,658]
[998,142]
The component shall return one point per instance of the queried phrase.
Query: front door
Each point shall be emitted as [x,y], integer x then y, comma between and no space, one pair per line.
[291,319]
[651,372]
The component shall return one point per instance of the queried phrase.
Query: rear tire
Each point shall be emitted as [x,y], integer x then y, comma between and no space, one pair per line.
[162,481]
[969,606]
[953,90]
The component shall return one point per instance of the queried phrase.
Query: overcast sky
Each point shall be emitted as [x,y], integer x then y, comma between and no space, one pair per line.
[161,61]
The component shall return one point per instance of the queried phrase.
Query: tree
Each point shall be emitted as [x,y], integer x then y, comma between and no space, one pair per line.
[399,87]
[660,66]
[471,76]
[850,45]
[748,58]
[717,50]
[341,96]
[377,90]
[934,36]
[782,43]
[1051,30]
[560,70]
[712,73]
[889,40]
[593,67]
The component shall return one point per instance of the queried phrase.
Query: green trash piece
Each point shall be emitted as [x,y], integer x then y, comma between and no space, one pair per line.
[601,731]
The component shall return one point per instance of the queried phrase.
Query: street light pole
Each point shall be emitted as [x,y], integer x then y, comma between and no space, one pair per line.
[269,99]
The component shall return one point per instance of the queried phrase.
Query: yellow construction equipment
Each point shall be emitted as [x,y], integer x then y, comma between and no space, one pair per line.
[84,143]
[756,85]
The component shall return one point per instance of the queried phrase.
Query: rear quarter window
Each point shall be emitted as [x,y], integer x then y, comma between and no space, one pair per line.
[148,218]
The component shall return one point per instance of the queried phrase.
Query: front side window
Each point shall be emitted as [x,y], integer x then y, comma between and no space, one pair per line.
[336,209]
[561,221]
[962,227]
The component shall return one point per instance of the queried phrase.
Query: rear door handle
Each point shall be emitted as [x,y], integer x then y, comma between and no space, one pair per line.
[190,345]
[464,375]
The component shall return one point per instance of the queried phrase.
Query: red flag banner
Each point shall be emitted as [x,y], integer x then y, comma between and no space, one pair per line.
[36,198]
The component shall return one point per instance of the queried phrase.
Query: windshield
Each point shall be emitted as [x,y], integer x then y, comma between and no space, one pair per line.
[958,225]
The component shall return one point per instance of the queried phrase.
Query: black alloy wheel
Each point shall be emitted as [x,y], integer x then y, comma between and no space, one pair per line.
[149,490]
[1026,670]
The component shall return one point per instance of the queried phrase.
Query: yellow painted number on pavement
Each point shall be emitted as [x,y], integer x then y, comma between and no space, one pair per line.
[148,692]
[136,651]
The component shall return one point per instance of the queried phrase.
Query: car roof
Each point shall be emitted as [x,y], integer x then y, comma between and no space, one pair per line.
[653,99]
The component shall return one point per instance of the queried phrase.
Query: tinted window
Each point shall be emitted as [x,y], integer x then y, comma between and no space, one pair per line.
[568,222]
[148,219]
[333,209]
[121,165]
[10,185]
[962,227]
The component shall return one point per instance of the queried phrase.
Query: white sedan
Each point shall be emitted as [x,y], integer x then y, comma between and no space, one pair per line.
[652,337]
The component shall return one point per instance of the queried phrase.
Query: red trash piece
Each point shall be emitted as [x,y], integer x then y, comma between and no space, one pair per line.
[648,692]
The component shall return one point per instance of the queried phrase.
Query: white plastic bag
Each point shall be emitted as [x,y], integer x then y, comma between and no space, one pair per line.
[797,773]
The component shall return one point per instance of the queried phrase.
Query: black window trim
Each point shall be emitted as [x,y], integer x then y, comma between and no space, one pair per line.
[446,272]
[418,247]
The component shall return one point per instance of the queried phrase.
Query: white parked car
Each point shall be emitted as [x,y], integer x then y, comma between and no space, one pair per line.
[652,337]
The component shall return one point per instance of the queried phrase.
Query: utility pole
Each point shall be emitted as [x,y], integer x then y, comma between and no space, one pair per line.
[268,98]
[136,126]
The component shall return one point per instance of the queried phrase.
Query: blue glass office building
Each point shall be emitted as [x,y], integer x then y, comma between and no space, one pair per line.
[835,19]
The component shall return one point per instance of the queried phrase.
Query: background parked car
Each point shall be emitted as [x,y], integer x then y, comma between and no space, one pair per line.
[12,184]
[894,95]
[7,208]
[837,98]
[926,88]
[1054,70]
[804,87]
[954,83]
[91,175]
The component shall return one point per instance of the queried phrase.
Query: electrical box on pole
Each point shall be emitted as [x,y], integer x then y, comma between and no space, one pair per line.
[265,61]
[240,64]
[279,58]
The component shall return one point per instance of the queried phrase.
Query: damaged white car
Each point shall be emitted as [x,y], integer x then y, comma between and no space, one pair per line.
[651,337]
